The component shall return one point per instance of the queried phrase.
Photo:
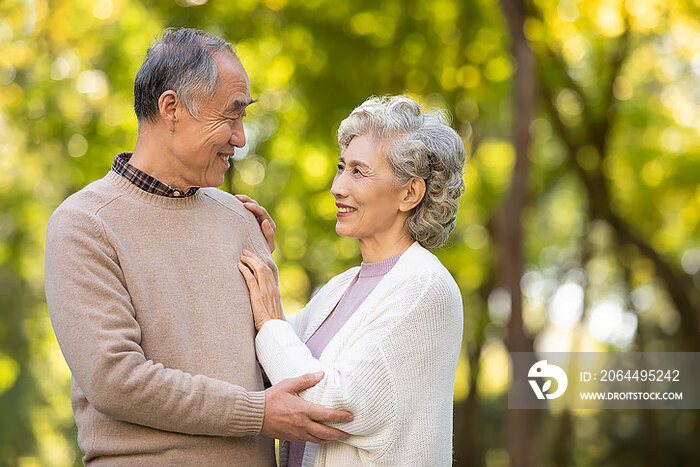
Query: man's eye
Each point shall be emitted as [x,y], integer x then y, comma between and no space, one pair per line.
[357,171]
[340,167]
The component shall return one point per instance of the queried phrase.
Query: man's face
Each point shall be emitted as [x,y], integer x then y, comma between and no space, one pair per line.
[202,146]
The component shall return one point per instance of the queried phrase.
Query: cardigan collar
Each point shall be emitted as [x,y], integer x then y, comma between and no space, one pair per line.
[413,259]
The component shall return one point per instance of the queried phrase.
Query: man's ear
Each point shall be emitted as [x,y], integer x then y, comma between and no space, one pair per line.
[412,194]
[167,108]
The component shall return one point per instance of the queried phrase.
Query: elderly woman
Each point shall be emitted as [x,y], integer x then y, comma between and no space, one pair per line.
[386,334]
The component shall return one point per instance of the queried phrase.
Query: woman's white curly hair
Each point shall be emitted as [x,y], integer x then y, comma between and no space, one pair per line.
[420,145]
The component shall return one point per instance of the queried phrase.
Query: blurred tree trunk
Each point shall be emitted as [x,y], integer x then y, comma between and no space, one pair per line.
[506,223]
[468,444]
[469,419]
[682,291]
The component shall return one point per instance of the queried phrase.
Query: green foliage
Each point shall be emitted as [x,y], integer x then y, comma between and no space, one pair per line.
[66,74]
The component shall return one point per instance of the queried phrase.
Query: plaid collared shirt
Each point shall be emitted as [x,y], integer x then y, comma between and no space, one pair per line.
[144,181]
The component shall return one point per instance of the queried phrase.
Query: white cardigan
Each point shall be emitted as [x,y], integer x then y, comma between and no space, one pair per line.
[392,365]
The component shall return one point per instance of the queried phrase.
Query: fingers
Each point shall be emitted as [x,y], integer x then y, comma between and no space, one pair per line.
[267,225]
[246,262]
[315,411]
[269,234]
[252,257]
[260,269]
[258,211]
[298,384]
[326,433]
[255,208]
[253,272]
[313,439]
[324,414]
[288,416]
[250,280]
[245,199]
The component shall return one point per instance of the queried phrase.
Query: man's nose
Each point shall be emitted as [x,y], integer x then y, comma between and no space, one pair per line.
[237,138]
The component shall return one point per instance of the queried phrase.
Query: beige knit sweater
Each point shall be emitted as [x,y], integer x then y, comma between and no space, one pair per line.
[155,323]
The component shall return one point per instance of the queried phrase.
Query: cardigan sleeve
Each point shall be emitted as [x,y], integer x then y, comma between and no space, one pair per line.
[97,331]
[361,379]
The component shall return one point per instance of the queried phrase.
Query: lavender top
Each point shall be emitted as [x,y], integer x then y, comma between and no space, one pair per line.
[360,287]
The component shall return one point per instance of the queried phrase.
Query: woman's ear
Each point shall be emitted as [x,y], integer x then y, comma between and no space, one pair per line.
[412,194]
[167,108]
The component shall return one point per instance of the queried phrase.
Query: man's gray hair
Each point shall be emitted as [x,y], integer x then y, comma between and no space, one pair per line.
[180,60]
[416,144]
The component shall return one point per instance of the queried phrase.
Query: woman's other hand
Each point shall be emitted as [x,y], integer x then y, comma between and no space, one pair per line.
[262,285]
[267,225]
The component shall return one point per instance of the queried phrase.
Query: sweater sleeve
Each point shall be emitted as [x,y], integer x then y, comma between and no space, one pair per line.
[361,379]
[97,331]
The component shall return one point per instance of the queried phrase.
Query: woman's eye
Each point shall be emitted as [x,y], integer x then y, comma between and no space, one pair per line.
[340,167]
[357,171]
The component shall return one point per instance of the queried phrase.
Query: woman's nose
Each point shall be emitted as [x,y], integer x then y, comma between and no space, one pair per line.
[338,187]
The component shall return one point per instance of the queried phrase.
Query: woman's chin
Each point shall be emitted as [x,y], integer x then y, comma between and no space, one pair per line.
[343,232]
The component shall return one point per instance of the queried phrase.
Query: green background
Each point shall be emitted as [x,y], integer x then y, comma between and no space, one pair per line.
[609,207]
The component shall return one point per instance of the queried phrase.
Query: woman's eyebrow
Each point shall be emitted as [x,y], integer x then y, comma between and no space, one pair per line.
[354,163]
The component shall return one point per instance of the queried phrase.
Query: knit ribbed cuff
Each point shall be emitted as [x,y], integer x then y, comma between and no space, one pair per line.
[247,413]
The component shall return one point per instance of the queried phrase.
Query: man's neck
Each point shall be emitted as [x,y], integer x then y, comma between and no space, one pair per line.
[151,156]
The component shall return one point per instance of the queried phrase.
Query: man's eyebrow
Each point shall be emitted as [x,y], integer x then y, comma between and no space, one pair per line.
[238,105]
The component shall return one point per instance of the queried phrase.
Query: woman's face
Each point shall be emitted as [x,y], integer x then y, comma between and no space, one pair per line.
[366,197]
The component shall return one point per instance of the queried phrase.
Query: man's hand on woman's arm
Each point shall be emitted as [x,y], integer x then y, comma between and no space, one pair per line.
[291,418]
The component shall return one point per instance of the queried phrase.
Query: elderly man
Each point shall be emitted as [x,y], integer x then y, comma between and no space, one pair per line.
[148,306]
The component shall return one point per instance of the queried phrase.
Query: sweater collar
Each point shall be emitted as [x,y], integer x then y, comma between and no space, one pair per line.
[145,181]
[379,268]
[128,188]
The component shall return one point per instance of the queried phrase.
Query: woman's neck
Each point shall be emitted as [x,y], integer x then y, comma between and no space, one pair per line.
[377,249]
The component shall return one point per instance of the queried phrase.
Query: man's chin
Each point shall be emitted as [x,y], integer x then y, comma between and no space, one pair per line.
[219,182]
[214,182]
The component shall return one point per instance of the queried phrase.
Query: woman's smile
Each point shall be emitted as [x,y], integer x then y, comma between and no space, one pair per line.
[344,210]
